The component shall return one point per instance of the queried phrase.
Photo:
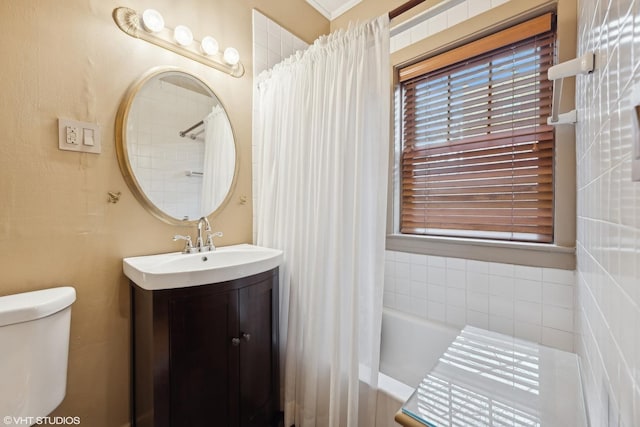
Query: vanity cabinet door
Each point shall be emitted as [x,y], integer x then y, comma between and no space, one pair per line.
[203,366]
[259,371]
[207,355]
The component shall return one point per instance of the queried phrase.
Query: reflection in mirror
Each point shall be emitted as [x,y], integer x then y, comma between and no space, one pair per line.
[178,146]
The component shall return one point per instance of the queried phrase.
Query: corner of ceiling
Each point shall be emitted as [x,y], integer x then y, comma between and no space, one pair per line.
[331,9]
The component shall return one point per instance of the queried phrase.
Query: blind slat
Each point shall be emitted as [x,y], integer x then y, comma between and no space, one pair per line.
[517,77]
[472,118]
[522,188]
[475,144]
[539,147]
[544,232]
[463,200]
[480,175]
[489,220]
[508,180]
[464,98]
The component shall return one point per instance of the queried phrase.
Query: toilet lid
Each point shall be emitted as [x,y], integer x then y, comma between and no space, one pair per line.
[34,305]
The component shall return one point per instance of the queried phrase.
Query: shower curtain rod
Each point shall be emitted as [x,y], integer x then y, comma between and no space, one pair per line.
[184,132]
[404,8]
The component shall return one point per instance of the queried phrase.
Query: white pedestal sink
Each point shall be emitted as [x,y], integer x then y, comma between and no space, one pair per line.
[179,270]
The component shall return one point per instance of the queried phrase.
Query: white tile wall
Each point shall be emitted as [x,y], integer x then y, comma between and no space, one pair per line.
[448,18]
[271,43]
[526,302]
[608,321]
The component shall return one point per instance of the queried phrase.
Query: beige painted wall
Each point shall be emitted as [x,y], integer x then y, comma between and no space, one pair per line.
[68,59]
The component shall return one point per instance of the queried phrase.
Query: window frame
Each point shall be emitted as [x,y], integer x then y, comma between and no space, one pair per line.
[561,253]
[493,140]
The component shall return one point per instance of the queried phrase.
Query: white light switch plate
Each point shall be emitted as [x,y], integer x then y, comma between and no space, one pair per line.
[78,136]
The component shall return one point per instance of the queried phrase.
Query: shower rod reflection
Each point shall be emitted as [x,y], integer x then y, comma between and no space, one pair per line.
[184,132]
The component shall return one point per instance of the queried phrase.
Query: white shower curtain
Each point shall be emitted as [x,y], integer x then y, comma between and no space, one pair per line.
[322,136]
[219,160]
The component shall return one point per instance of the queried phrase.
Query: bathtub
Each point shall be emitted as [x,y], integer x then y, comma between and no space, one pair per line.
[410,348]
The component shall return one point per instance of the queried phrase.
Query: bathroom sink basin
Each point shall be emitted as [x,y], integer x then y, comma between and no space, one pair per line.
[178,270]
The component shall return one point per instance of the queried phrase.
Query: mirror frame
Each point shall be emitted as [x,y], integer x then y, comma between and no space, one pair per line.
[123,155]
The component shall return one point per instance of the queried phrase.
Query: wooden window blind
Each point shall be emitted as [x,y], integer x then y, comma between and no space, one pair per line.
[477,155]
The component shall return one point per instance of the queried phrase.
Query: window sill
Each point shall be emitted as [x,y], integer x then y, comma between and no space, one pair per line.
[530,254]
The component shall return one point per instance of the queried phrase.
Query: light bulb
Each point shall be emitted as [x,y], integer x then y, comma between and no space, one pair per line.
[231,56]
[209,45]
[182,35]
[152,21]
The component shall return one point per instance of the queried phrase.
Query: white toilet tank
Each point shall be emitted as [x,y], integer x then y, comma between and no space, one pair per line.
[34,348]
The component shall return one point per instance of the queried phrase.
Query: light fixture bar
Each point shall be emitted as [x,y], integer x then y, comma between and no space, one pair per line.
[129,22]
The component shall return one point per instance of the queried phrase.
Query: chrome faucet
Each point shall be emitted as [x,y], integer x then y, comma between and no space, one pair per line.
[200,246]
[199,242]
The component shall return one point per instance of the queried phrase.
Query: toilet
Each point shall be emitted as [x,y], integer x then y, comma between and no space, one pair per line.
[34,349]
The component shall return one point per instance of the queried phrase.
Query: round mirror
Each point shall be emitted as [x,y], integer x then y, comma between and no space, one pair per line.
[175,146]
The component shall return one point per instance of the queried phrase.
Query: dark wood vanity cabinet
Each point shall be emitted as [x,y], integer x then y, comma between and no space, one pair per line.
[207,355]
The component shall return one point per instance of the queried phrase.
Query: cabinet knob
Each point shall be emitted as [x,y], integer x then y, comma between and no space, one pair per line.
[246,336]
[235,342]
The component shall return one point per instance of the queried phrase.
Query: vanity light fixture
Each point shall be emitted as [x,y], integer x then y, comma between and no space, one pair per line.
[152,21]
[231,56]
[183,35]
[149,26]
[209,45]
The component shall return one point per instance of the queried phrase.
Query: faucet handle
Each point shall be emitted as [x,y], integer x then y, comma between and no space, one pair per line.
[210,246]
[188,246]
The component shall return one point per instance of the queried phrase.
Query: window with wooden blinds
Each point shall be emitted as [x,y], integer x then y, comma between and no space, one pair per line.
[477,155]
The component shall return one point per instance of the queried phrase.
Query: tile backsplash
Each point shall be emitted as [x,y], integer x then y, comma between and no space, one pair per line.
[526,302]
